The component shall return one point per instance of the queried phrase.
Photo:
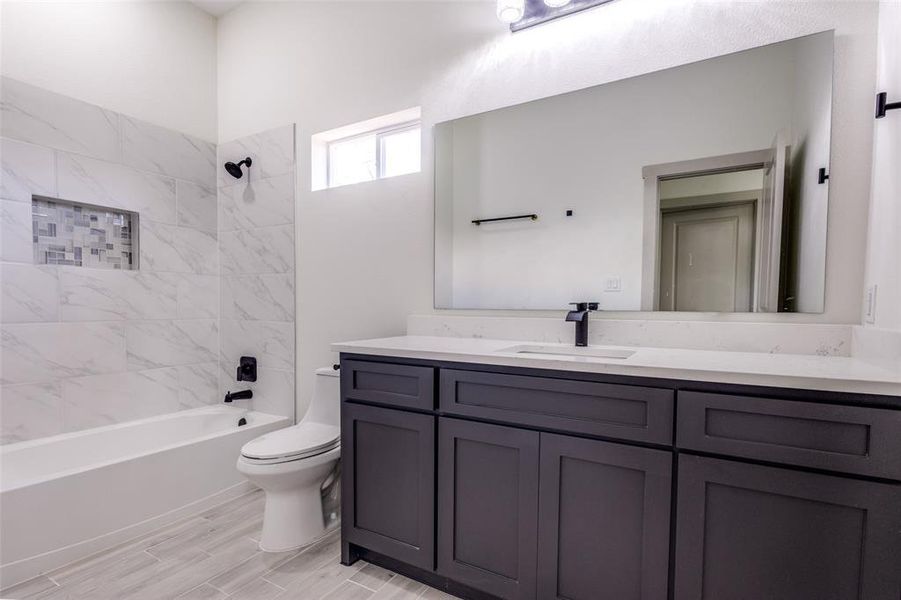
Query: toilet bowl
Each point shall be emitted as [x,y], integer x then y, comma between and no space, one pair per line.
[291,465]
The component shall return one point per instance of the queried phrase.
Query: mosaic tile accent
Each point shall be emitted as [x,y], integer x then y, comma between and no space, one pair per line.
[80,235]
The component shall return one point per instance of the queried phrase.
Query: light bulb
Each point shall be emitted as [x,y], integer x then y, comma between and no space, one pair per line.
[510,11]
[556,3]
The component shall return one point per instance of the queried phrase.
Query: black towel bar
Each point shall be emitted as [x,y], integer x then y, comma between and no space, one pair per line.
[533,217]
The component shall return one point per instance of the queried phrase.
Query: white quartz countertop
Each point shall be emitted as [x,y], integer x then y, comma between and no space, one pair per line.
[833,373]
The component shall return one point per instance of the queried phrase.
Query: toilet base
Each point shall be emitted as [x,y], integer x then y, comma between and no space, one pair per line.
[293,515]
[292,519]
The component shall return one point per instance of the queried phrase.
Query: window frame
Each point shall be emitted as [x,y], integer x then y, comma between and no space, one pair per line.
[378,136]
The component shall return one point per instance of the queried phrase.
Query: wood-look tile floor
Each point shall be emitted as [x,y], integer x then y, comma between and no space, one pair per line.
[215,556]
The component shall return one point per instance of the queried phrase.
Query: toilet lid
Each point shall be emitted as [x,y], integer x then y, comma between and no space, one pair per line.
[305,439]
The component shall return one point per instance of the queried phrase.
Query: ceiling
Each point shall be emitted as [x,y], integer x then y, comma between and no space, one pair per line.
[217,8]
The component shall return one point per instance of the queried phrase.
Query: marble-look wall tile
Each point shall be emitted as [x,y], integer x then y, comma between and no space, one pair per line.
[102,295]
[258,251]
[111,185]
[95,401]
[273,391]
[82,347]
[15,232]
[198,296]
[27,170]
[196,206]
[34,115]
[39,352]
[258,297]
[272,153]
[169,248]
[154,148]
[257,203]
[256,255]
[154,344]
[98,400]
[271,342]
[198,385]
[30,411]
[29,293]
[151,392]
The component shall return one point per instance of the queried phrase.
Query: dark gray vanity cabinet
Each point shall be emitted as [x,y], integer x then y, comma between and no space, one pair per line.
[748,532]
[604,520]
[525,515]
[388,487]
[488,507]
[499,482]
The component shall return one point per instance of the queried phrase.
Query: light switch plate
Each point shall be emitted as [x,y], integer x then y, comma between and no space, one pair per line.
[870,314]
[613,284]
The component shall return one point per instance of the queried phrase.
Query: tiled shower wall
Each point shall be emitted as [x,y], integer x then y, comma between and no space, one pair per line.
[87,347]
[256,244]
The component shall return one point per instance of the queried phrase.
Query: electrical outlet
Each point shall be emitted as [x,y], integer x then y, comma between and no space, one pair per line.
[870,314]
[613,284]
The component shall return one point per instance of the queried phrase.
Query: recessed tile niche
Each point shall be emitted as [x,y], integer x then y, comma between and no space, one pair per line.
[82,235]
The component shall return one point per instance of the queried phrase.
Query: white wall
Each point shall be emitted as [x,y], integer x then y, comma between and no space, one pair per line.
[152,60]
[884,250]
[365,251]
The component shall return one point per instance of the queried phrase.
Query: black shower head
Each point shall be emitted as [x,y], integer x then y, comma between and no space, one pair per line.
[235,169]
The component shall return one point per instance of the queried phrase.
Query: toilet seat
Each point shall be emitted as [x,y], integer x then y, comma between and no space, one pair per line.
[292,443]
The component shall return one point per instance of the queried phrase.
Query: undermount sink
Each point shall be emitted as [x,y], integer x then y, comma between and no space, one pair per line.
[587,351]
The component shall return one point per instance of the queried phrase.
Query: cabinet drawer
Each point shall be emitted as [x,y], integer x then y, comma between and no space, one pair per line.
[386,383]
[616,411]
[850,439]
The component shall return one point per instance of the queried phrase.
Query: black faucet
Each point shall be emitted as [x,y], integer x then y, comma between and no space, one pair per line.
[242,395]
[580,316]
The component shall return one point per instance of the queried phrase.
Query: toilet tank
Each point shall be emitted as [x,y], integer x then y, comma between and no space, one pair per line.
[325,405]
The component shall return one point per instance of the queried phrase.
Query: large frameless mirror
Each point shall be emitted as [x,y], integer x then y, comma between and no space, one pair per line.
[698,188]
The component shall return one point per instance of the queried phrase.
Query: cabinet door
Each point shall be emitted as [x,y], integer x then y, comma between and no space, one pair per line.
[388,485]
[488,507]
[604,520]
[749,532]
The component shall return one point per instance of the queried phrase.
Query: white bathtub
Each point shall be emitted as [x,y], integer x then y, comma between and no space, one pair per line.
[68,496]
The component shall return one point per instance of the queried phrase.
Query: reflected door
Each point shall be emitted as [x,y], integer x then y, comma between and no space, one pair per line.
[707,257]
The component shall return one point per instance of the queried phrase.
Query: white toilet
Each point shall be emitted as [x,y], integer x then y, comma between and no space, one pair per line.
[291,465]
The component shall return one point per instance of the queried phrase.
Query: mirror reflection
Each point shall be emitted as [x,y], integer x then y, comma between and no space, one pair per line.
[699,188]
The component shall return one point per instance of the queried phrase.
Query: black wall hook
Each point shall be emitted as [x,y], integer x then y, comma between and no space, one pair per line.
[822,176]
[883,105]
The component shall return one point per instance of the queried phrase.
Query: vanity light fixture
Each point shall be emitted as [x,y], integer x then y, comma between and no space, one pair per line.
[528,13]
[510,11]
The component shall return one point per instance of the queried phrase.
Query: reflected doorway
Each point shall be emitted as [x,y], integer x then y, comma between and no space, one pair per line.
[708,237]
[707,254]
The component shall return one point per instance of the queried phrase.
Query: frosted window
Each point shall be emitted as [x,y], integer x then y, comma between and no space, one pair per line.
[375,155]
[400,152]
[352,161]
